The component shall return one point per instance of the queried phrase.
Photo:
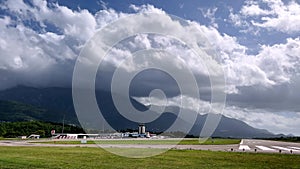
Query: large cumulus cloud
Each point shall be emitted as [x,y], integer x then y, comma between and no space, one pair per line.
[40,42]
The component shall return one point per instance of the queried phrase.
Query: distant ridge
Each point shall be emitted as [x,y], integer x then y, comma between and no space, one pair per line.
[52,104]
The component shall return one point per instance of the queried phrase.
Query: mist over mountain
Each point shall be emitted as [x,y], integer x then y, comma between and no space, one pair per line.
[56,104]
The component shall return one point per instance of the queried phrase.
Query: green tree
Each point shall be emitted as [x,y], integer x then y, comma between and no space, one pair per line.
[41,133]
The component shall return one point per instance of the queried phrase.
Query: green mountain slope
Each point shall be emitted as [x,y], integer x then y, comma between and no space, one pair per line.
[11,111]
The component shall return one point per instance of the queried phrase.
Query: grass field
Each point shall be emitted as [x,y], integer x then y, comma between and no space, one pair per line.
[218,141]
[2,138]
[83,157]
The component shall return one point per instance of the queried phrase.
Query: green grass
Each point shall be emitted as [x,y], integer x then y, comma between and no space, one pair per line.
[2,138]
[149,141]
[83,157]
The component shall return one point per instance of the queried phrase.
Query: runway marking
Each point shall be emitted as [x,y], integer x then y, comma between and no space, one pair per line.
[245,147]
[297,148]
[265,148]
[285,149]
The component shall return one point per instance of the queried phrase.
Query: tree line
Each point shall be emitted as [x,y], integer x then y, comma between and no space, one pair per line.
[26,128]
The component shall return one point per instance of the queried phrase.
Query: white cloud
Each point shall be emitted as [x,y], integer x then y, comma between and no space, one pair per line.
[50,48]
[204,106]
[142,41]
[276,122]
[41,57]
[285,19]
[18,6]
[253,9]
[29,53]
[146,8]
[210,14]
[104,17]
[279,16]
[273,65]
[236,19]
[80,24]
[280,61]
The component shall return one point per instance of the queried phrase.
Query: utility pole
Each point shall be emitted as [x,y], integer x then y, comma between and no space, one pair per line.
[102,125]
[62,131]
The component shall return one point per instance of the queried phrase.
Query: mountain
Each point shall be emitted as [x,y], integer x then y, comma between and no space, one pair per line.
[230,127]
[12,111]
[54,104]
[58,101]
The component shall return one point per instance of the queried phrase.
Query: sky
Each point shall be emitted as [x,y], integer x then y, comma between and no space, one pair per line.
[256,42]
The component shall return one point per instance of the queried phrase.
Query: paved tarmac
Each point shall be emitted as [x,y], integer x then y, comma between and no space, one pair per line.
[268,146]
[246,145]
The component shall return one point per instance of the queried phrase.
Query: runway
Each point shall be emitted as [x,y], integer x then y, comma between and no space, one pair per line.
[246,145]
[268,146]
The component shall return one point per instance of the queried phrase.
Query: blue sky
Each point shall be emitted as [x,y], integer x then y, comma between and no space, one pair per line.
[257,44]
[196,11]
